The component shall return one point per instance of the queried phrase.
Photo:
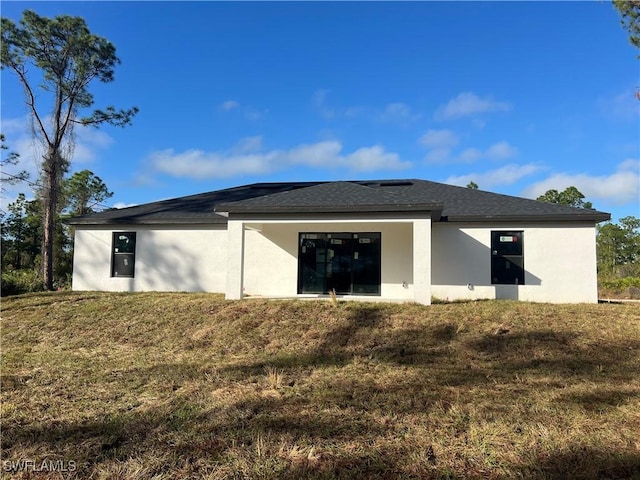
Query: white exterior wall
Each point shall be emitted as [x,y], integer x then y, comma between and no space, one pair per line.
[559,263]
[168,258]
[559,260]
[271,257]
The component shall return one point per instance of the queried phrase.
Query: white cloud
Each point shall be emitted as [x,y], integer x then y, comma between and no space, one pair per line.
[506,175]
[618,188]
[249,112]
[469,155]
[13,126]
[630,164]
[397,112]
[123,205]
[145,179]
[319,101]
[478,123]
[468,104]
[441,143]
[438,155]
[199,164]
[89,142]
[500,151]
[249,145]
[254,115]
[622,107]
[29,149]
[30,155]
[355,111]
[367,159]
[229,105]
[439,139]
[318,155]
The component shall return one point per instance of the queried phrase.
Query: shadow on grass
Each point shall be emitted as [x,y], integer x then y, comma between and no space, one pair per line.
[362,335]
[336,409]
[377,464]
[602,400]
[547,352]
[171,375]
[581,462]
[181,436]
[115,436]
[13,382]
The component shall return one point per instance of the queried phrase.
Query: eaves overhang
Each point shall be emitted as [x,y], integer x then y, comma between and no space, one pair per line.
[231,209]
[210,220]
[595,217]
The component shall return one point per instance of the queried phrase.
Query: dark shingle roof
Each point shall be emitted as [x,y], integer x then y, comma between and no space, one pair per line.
[332,197]
[193,209]
[454,204]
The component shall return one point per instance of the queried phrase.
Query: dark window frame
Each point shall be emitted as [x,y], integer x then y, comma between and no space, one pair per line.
[126,258]
[507,257]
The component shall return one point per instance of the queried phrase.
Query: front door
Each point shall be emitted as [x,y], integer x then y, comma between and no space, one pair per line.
[348,263]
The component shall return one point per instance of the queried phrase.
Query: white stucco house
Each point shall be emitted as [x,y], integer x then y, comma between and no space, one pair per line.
[400,240]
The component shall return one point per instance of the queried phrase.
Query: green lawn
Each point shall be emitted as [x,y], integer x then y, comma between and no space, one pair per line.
[139,386]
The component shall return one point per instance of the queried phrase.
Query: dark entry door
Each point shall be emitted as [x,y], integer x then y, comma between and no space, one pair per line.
[348,263]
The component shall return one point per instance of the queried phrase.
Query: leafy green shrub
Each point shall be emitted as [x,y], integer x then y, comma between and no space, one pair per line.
[620,283]
[15,282]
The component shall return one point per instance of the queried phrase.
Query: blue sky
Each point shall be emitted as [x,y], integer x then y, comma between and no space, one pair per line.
[518,97]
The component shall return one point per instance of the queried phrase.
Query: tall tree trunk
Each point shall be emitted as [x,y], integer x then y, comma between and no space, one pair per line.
[50,196]
[19,242]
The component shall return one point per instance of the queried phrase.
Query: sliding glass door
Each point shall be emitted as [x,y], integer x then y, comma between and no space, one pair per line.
[348,263]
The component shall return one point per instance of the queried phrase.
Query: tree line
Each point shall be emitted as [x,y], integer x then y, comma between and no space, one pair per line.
[618,244]
[58,59]
[22,232]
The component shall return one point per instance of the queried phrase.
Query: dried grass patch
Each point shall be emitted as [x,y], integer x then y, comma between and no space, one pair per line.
[188,385]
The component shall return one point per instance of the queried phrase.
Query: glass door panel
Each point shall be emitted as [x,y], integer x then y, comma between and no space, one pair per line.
[348,263]
[312,263]
[339,262]
[366,264]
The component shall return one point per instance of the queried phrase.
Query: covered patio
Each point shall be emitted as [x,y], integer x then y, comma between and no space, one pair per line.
[386,257]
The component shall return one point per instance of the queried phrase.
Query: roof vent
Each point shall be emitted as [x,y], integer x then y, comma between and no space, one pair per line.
[400,183]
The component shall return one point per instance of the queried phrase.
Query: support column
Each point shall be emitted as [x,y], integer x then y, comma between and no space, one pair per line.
[422,260]
[235,259]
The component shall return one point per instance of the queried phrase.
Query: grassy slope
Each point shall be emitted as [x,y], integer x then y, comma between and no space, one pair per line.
[188,385]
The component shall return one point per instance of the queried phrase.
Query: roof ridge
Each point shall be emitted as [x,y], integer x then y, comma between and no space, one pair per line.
[454,203]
